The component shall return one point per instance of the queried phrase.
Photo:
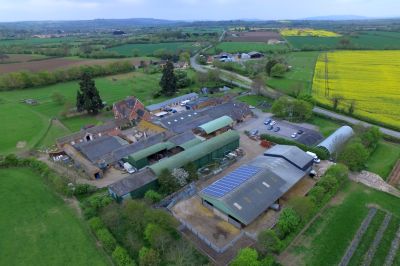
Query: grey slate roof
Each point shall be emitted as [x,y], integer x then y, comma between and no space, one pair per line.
[168,102]
[98,148]
[253,197]
[182,138]
[291,153]
[133,182]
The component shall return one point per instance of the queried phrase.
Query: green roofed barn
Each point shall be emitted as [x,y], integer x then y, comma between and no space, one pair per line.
[201,154]
[217,124]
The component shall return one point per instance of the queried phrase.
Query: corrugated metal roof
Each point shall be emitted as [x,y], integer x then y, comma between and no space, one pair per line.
[133,182]
[146,152]
[254,196]
[337,139]
[182,138]
[196,152]
[191,143]
[292,153]
[98,148]
[168,102]
[216,124]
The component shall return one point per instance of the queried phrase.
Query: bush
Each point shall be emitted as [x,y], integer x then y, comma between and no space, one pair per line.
[148,257]
[121,257]
[267,242]
[107,239]
[246,257]
[82,189]
[152,196]
[329,184]
[303,206]
[317,195]
[340,171]
[354,155]
[95,224]
[287,223]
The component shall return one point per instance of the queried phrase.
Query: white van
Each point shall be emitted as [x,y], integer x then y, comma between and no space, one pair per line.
[316,159]
[183,103]
[129,168]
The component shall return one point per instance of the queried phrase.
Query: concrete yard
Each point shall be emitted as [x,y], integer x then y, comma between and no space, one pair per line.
[216,230]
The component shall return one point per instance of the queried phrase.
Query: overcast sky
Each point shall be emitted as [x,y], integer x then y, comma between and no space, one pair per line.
[19,10]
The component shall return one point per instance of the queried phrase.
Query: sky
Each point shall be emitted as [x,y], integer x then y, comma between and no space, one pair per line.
[27,10]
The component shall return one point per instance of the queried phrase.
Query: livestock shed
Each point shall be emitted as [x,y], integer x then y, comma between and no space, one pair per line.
[133,186]
[154,108]
[293,155]
[216,125]
[337,139]
[200,154]
[247,192]
[82,163]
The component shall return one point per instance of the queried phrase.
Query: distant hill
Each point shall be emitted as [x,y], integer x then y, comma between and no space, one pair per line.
[338,17]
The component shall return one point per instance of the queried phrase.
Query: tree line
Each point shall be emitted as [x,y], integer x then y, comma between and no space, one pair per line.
[24,79]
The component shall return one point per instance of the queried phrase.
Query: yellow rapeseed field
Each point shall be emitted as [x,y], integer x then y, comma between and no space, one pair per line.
[370,79]
[308,32]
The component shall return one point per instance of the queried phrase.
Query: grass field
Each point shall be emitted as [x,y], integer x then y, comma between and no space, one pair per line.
[37,41]
[303,65]
[149,48]
[243,47]
[327,239]
[23,123]
[383,159]
[373,40]
[369,78]
[37,228]
[326,126]
[308,32]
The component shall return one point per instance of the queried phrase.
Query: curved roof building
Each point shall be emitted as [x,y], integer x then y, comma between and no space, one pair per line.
[337,139]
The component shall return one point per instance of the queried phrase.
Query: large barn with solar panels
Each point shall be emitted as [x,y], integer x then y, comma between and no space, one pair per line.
[244,194]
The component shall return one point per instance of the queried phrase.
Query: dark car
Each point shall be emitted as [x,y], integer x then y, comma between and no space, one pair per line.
[266,122]
[277,129]
[299,132]
[270,127]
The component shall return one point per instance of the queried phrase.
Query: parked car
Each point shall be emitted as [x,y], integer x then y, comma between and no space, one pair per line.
[294,135]
[299,132]
[267,122]
[273,123]
[270,127]
[277,129]
[254,132]
[129,168]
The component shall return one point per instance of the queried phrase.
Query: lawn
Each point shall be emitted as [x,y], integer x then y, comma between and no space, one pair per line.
[37,228]
[326,126]
[383,159]
[148,49]
[244,47]
[254,100]
[301,74]
[21,122]
[327,239]
[369,79]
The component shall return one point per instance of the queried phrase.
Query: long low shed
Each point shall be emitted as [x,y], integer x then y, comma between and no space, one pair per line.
[200,154]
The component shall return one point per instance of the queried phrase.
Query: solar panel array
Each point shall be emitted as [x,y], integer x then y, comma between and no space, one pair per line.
[231,181]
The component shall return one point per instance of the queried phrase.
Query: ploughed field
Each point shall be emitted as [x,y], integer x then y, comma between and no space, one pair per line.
[252,36]
[369,79]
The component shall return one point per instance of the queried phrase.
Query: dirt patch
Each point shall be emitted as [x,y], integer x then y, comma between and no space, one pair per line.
[56,63]
[21,144]
[252,36]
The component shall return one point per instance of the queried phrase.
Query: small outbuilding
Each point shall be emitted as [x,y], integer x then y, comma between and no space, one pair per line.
[222,123]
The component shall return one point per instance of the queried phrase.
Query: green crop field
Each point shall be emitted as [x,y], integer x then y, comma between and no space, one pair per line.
[26,125]
[149,48]
[37,228]
[326,240]
[301,73]
[37,41]
[383,159]
[243,47]
[373,40]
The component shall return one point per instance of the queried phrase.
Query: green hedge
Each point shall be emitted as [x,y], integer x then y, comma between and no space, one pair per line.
[321,153]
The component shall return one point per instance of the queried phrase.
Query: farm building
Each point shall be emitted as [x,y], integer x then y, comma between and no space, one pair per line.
[131,109]
[337,139]
[200,154]
[134,186]
[293,155]
[110,128]
[82,163]
[221,124]
[245,193]
[155,108]
[255,55]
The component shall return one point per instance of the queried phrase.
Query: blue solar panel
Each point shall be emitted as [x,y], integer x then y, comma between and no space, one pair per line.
[231,181]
